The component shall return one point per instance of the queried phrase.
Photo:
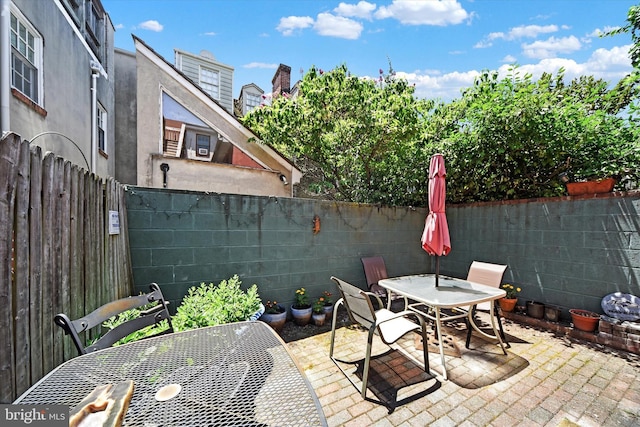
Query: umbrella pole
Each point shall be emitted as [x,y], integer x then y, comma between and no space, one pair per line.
[437,269]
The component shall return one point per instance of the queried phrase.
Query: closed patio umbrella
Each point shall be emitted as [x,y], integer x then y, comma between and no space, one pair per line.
[435,237]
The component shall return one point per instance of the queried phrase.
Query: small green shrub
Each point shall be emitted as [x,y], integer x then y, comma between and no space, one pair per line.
[209,305]
[206,305]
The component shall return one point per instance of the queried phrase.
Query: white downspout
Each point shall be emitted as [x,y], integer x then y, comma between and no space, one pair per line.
[95,70]
[5,66]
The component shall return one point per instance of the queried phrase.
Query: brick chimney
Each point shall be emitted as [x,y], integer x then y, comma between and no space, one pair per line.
[281,81]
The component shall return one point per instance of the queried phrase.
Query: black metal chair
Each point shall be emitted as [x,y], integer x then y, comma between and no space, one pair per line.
[152,316]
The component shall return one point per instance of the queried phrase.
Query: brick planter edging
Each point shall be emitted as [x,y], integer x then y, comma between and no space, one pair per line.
[610,335]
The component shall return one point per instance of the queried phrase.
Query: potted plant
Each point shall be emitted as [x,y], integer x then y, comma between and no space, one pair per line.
[318,312]
[508,303]
[584,320]
[274,315]
[328,303]
[597,164]
[301,309]
[593,186]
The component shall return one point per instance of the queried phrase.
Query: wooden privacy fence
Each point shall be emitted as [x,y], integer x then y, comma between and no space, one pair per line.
[57,255]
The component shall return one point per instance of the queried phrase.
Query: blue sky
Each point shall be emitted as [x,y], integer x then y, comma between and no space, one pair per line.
[440,46]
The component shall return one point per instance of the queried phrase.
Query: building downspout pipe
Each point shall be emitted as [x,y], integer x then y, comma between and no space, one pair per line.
[5,66]
[94,112]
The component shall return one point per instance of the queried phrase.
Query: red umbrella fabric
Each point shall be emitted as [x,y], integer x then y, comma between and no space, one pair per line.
[435,237]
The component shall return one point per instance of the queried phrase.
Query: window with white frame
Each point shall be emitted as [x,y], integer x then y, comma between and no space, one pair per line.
[101,124]
[252,101]
[26,57]
[210,82]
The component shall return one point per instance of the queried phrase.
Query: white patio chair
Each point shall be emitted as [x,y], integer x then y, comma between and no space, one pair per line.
[490,275]
[388,325]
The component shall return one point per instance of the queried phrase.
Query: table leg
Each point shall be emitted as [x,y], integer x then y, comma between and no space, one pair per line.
[439,331]
[493,326]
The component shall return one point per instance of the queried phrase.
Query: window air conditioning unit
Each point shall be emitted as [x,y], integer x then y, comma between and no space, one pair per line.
[203,152]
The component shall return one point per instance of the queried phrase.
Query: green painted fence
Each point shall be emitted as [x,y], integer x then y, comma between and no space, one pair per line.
[568,251]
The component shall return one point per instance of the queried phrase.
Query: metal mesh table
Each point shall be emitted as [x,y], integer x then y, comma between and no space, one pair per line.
[239,374]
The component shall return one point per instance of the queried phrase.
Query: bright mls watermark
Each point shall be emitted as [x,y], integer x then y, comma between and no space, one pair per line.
[34,415]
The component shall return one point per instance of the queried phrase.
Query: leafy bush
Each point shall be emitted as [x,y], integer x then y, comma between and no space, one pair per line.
[370,141]
[206,305]
[209,305]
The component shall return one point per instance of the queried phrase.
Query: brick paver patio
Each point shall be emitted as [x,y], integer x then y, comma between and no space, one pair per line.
[544,380]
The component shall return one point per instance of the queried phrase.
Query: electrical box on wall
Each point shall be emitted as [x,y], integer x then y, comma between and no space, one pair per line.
[114,222]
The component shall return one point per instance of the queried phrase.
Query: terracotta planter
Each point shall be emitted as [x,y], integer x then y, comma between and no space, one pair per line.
[535,309]
[584,320]
[301,316]
[591,187]
[507,304]
[275,320]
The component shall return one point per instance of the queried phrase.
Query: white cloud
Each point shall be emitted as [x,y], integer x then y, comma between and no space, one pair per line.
[435,85]
[495,36]
[261,65]
[530,31]
[515,33]
[118,26]
[151,26]
[613,61]
[210,33]
[337,26]
[598,32]
[608,64]
[482,44]
[509,59]
[549,65]
[361,10]
[290,24]
[412,12]
[551,47]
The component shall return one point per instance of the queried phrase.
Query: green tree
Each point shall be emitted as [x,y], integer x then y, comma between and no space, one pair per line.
[366,140]
[353,138]
[633,28]
[510,138]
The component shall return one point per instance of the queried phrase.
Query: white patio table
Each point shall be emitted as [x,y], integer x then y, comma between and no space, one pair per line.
[456,295]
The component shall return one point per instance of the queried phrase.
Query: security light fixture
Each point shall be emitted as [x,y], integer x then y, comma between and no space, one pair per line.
[164,167]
